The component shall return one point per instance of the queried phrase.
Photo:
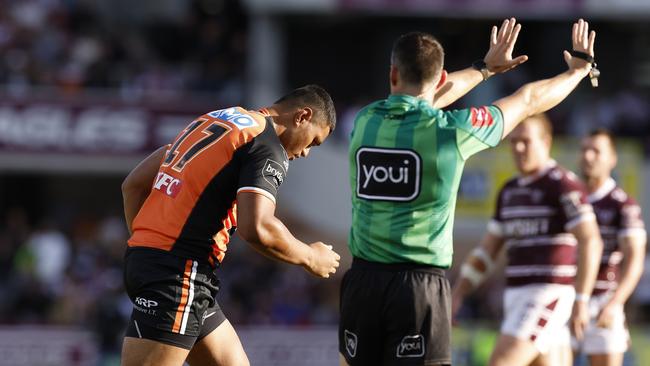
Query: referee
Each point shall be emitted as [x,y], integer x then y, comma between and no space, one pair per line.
[406,160]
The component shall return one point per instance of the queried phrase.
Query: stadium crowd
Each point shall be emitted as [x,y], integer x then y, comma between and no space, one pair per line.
[72,46]
[70,274]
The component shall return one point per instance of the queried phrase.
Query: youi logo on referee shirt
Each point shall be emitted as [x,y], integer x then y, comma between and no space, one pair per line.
[388,174]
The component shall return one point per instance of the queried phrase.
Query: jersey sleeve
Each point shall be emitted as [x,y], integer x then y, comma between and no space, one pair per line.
[573,201]
[476,128]
[631,223]
[264,168]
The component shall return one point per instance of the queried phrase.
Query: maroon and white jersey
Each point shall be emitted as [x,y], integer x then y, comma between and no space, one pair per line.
[618,216]
[534,215]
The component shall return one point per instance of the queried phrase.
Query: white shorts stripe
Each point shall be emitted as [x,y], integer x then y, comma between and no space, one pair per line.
[186,313]
[137,328]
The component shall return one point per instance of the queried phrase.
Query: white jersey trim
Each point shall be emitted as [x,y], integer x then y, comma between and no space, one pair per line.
[528,179]
[257,190]
[631,232]
[602,191]
[588,216]
[495,228]
[527,211]
[542,270]
[561,239]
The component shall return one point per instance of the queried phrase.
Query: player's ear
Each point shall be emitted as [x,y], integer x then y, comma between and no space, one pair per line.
[443,79]
[304,115]
[394,75]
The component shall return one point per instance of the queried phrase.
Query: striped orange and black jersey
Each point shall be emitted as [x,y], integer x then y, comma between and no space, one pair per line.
[192,209]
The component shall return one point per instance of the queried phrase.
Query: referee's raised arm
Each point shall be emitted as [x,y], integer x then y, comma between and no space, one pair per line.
[540,96]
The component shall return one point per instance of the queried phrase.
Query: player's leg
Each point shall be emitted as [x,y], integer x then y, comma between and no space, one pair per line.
[170,296]
[560,355]
[611,359]
[145,352]
[535,321]
[342,361]
[511,351]
[605,346]
[221,347]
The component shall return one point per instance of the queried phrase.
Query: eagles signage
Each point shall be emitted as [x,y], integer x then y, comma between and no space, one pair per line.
[84,133]
[388,174]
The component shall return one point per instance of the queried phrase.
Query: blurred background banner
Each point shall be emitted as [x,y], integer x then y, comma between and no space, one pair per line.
[89,132]
[89,88]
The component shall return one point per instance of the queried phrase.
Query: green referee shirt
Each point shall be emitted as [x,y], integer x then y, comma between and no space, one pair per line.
[406,160]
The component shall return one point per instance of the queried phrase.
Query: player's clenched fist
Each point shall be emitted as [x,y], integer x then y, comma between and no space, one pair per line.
[324,261]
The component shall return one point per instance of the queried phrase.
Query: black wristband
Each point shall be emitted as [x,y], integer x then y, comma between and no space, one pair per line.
[481,66]
[583,56]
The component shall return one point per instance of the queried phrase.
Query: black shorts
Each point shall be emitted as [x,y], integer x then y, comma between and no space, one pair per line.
[173,298]
[395,314]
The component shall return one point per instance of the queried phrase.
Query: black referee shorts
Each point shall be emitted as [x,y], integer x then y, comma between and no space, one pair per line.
[173,298]
[395,314]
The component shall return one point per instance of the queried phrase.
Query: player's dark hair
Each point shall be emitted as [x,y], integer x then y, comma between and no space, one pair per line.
[604,132]
[418,56]
[314,97]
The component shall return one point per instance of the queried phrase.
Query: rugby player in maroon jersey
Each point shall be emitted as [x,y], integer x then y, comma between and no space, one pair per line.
[606,337]
[549,231]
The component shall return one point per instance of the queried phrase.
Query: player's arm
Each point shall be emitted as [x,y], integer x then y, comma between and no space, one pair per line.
[476,268]
[590,250]
[633,248]
[257,224]
[137,185]
[498,60]
[542,95]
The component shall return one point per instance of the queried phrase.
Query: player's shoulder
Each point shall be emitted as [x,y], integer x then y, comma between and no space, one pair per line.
[511,183]
[240,119]
[565,178]
[622,199]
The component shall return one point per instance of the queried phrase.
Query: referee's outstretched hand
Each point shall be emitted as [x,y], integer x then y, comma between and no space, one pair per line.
[582,41]
[324,261]
[502,42]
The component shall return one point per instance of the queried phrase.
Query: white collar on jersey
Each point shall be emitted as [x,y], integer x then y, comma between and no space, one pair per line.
[528,179]
[602,191]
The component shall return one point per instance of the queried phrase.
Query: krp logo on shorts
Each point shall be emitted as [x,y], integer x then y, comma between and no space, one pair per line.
[411,346]
[388,174]
[350,340]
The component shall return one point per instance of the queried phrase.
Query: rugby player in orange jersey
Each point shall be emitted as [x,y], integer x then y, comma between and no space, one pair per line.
[182,204]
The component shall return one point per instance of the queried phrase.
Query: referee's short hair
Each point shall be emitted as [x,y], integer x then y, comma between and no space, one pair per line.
[316,98]
[418,56]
